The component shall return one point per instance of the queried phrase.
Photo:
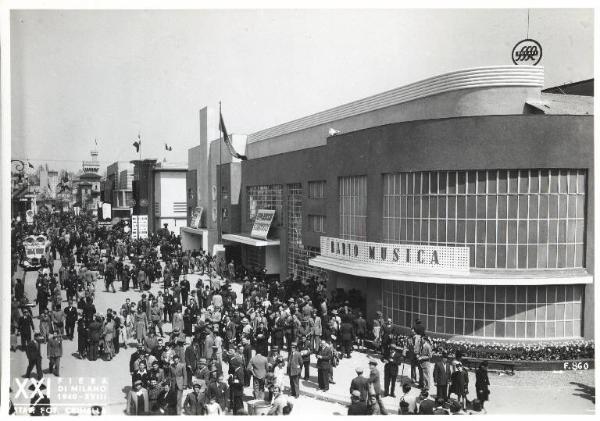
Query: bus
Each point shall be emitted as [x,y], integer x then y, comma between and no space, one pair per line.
[35,247]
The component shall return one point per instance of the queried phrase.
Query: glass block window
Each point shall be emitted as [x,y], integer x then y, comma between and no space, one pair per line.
[265,197]
[316,223]
[490,311]
[509,219]
[297,253]
[316,189]
[353,207]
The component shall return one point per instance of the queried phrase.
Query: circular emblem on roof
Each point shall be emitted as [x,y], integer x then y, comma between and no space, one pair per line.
[527,51]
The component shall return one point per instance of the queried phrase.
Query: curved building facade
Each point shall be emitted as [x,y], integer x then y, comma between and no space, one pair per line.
[460,200]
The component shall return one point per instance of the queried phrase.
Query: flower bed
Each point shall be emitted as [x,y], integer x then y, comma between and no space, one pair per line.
[542,351]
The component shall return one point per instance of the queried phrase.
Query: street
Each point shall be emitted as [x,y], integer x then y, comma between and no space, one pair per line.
[556,392]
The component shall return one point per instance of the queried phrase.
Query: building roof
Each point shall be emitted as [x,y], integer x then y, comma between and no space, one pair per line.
[582,87]
[481,77]
[90,176]
[550,103]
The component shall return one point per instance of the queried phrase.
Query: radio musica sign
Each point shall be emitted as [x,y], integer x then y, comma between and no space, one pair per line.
[413,257]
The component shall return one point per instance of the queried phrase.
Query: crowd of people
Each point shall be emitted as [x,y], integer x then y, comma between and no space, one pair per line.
[199,346]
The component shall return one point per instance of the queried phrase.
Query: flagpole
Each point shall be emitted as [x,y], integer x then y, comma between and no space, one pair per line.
[219,173]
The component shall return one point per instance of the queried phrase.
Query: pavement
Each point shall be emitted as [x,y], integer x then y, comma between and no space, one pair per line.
[106,383]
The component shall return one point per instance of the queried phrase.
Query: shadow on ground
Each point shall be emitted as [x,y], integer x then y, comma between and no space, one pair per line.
[584,391]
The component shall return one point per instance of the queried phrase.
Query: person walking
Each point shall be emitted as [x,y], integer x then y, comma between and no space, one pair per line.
[70,319]
[34,357]
[482,383]
[375,386]
[178,379]
[258,366]
[54,351]
[360,384]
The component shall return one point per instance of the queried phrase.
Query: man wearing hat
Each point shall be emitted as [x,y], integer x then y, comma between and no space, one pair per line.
[390,371]
[34,356]
[178,379]
[441,376]
[135,357]
[258,366]
[138,402]
[358,406]
[195,401]
[375,384]
[360,384]
[192,355]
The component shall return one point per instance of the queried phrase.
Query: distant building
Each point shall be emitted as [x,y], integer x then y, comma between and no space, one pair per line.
[159,192]
[118,189]
[212,198]
[88,192]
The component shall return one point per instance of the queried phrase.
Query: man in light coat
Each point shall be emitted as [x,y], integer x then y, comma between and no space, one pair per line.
[294,370]
[178,379]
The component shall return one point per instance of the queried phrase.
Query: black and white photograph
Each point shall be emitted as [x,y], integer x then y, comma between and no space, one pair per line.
[297,211]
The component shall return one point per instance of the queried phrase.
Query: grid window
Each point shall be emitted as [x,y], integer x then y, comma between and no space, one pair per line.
[353,207]
[297,253]
[516,219]
[265,197]
[316,189]
[316,223]
[488,311]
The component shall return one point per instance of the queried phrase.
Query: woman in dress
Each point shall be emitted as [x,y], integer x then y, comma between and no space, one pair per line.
[109,333]
[141,325]
[129,331]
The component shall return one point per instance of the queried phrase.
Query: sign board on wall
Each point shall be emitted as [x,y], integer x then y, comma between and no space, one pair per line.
[405,256]
[196,217]
[262,223]
[139,226]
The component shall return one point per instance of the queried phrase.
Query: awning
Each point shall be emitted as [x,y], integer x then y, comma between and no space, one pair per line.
[245,239]
[474,277]
[197,231]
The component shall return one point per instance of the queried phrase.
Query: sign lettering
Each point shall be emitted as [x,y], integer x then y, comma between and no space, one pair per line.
[408,256]
[262,223]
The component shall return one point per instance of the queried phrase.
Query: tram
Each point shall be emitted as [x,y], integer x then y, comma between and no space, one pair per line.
[35,247]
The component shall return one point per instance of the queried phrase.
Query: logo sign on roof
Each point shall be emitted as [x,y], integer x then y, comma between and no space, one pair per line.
[527,51]
[262,223]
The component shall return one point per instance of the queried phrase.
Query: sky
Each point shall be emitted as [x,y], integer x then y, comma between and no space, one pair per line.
[108,75]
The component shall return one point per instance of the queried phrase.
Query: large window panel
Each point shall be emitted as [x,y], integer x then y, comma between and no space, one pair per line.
[509,219]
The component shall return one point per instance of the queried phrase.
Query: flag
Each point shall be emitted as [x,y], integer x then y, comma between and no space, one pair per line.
[138,143]
[168,148]
[228,141]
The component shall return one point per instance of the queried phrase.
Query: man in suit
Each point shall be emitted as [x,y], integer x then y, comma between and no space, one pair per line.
[54,351]
[138,402]
[236,386]
[178,379]
[294,370]
[346,336]
[441,375]
[192,355]
[324,357]
[34,356]
[258,366]
[70,319]
[360,384]
[195,401]
[390,372]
